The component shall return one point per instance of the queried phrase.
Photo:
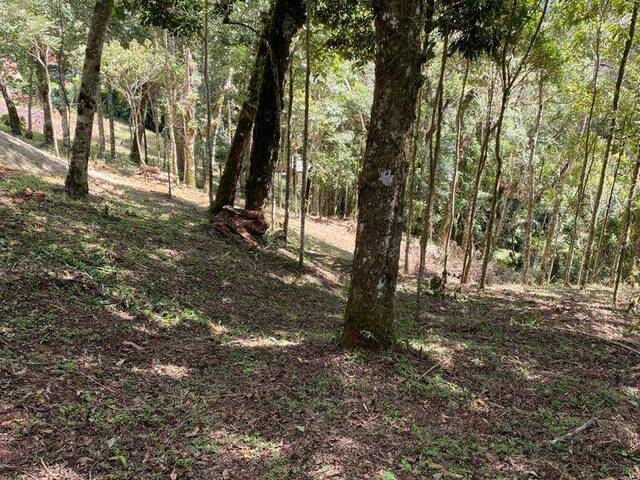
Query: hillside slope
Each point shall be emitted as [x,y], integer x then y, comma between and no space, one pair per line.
[134,343]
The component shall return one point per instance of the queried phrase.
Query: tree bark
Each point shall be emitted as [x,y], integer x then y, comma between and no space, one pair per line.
[586,259]
[14,119]
[77,182]
[286,19]
[369,313]
[188,123]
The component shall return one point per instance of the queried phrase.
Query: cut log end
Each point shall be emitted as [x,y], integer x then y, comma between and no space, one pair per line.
[246,227]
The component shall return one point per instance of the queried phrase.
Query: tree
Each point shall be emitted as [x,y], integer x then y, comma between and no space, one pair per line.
[14,119]
[77,182]
[286,19]
[369,318]
[586,259]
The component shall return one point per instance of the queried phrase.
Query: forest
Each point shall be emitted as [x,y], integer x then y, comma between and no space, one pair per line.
[316,239]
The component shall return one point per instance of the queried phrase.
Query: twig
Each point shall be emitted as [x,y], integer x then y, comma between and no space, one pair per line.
[588,424]
[96,382]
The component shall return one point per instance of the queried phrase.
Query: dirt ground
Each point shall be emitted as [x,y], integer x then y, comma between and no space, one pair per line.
[135,343]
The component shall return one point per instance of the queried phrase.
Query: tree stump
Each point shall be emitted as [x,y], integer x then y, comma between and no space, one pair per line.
[242,226]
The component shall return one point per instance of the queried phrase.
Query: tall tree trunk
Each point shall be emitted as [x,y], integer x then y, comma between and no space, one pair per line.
[624,238]
[451,205]
[112,128]
[287,188]
[467,239]
[553,224]
[101,138]
[412,182]
[77,179]
[605,220]
[304,187]
[14,119]
[48,133]
[64,123]
[226,193]
[531,168]
[612,126]
[287,18]
[369,313]
[488,247]
[427,228]
[188,122]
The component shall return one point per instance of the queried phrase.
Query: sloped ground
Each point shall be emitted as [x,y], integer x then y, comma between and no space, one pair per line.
[136,344]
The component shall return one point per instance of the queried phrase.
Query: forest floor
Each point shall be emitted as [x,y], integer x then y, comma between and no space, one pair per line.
[135,343]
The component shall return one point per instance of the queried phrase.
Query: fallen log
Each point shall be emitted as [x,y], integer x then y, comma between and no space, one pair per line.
[246,227]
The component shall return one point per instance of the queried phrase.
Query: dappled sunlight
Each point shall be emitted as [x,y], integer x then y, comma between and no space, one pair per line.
[263,342]
[174,372]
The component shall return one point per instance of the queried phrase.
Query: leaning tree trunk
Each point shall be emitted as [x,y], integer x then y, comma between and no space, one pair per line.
[14,119]
[533,142]
[369,313]
[77,182]
[226,193]
[286,19]
[586,259]
[624,238]
[48,133]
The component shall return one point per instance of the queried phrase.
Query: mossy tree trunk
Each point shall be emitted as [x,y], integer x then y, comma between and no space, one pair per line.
[369,315]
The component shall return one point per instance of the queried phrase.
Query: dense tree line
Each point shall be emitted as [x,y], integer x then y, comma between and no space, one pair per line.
[499,131]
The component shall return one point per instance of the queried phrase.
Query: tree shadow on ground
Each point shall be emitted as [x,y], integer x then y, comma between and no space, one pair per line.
[135,344]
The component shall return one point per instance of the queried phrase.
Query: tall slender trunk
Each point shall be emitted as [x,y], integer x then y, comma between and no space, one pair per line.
[454,180]
[208,184]
[467,240]
[112,128]
[553,224]
[101,138]
[48,133]
[287,18]
[188,123]
[612,126]
[29,133]
[369,315]
[531,168]
[605,220]
[287,188]
[412,182]
[624,238]
[304,187]
[434,158]
[14,119]
[64,123]
[77,179]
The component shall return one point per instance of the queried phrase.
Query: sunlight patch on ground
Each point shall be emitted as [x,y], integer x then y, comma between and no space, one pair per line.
[175,372]
[263,342]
